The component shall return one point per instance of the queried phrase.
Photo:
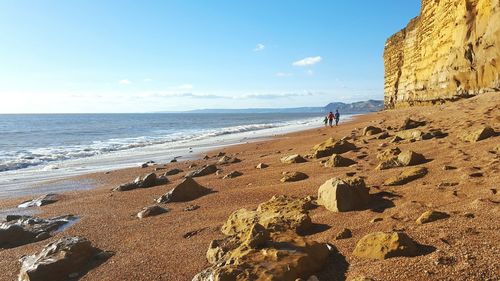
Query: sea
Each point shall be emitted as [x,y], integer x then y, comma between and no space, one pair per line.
[38,148]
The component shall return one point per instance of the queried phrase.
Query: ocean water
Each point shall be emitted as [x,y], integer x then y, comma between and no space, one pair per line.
[40,147]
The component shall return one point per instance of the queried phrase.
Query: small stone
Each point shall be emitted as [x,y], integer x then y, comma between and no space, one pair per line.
[293,176]
[371,130]
[344,234]
[233,174]
[191,208]
[262,166]
[338,161]
[406,176]
[376,220]
[430,216]
[151,211]
[295,158]
[476,175]
[448,167]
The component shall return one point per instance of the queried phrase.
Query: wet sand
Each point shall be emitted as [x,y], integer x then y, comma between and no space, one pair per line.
[155,249]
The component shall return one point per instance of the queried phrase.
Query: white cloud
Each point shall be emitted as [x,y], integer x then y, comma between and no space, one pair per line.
[259,47]
[183,87]
[308,61]
[125,82]
[147,80]
[284,74]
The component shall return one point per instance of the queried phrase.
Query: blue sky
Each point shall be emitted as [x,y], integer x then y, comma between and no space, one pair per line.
[139,56]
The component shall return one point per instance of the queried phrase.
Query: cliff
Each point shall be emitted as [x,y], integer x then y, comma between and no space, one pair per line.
[451,50]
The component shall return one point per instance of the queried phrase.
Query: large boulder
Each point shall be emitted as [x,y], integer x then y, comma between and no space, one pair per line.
[293,176]
[264,244]
[203,171]
[478,134]
[380,245]
[281,213]
[40,201]
[430,216]
[187,190]
[20,230]
[291,159]
[65,259]
[407,176]
[338,161]
[339,195]
[331,146]
[371,130]
[411,124]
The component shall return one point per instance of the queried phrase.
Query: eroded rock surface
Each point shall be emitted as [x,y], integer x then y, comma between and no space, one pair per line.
[380,245]
[41,201]
[339,195]
[406,176]
[187,190]
[403,159]
[64,259]
[332,146]
[339,161]
[147,181]
[478,134]
[203,171]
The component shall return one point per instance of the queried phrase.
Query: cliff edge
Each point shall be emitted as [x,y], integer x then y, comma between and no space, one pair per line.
[450,51]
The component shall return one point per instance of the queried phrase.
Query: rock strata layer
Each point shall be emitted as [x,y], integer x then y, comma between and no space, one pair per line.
[437,58]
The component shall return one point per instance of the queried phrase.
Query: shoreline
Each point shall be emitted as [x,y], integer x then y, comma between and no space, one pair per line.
[155,248]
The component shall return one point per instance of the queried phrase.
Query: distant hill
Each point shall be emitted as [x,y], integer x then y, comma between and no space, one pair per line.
[344,108]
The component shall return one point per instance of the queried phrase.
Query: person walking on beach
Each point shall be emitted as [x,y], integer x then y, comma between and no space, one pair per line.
[330,118]
[325,121]
[337,117]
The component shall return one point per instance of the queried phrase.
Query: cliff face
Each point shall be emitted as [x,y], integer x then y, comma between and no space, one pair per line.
[451,50]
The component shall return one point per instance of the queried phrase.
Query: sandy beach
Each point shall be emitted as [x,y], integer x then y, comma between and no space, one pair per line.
[155,248]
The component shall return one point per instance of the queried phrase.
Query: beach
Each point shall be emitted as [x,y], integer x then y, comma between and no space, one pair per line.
[172,246]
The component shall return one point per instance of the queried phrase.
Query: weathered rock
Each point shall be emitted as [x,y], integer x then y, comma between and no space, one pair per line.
[478,134]
[64,259]
[261,166]
[331,146]
[293,176]
[233,174]
[338,161]
[430,216]
[187,190]
[448,167]
[438,134]
[388,154]
[264,237]
[228,160]
[191,208]
[295,158]
[343,195]
[438,58]
[172,172]
[147,181]
[343,234]
[412,134]
[203,171]
[395,139]
[380,245]
[22,230]
[410,158]
[383,136]
[407,176]
[371,130]
[411,124]
[151,211]
[41,201]
[281,213]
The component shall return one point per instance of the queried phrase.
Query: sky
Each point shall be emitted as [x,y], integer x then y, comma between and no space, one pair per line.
[89,56]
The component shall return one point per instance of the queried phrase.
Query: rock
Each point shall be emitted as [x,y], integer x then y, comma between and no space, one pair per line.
[438,134]
[430,216]
[203,171]
[220,154]
[172,172]
[41,201]
[407,176]
[476,175]
[410,158]
[331,146]
[343,234]
[395,139]
[144,165]
[343,195]
[150,211]
[478,134]
[206,157]
[295,158]
[187,190]
[280,213]
[173,161]
[257,239]
[261,166]
[411,124]
[293,176]
[233,174]
[448,167]
[388,154]
[374,220]
[58,260]
[228,160]
[147,181]
[413,134]
[371,130]
[191,208]
[383,136]
[22,230]
[380,245]
[338,161]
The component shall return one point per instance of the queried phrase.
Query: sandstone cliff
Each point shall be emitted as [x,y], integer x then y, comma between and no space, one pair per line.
[451,50]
